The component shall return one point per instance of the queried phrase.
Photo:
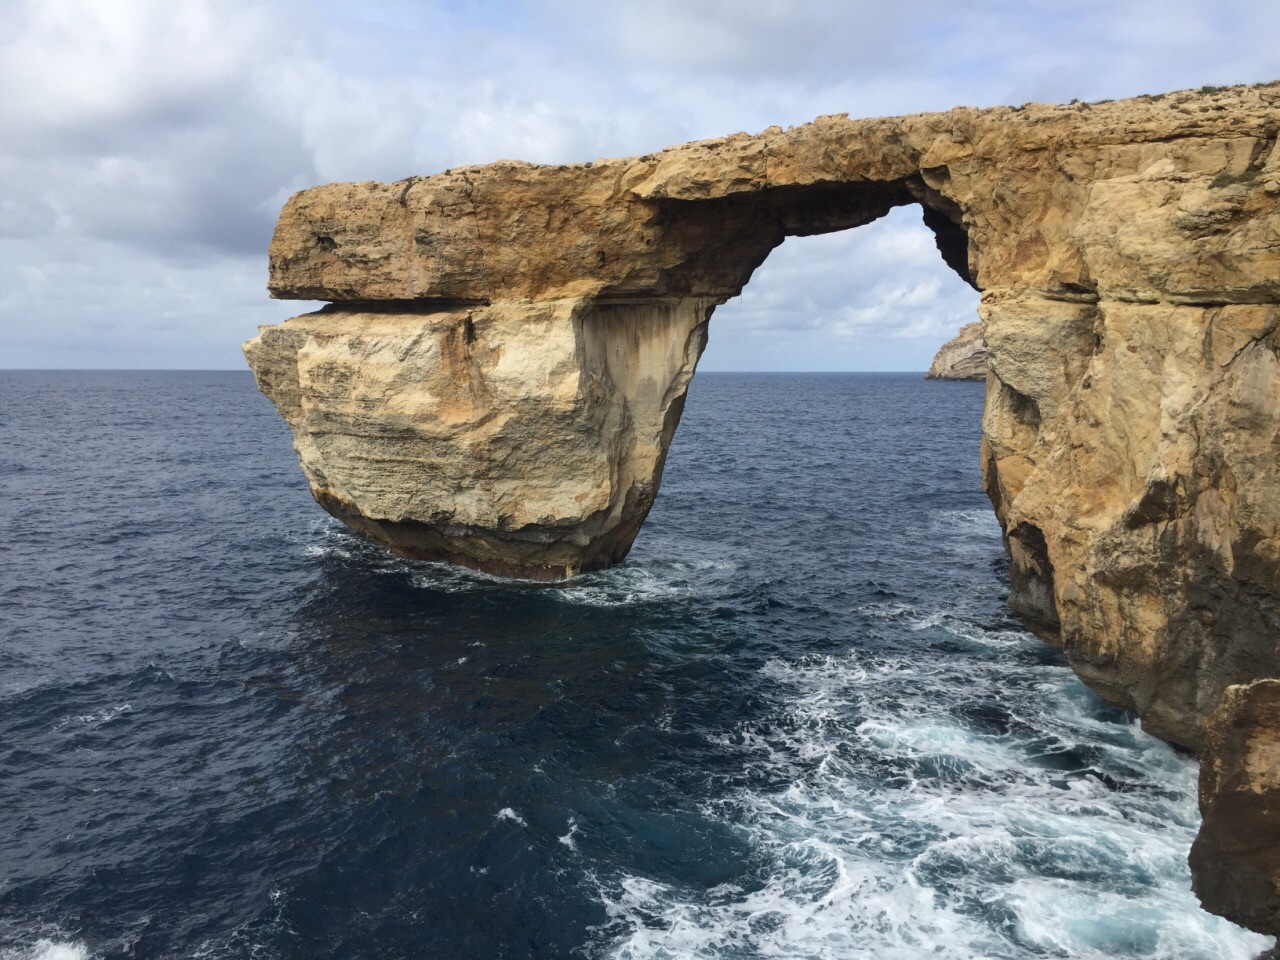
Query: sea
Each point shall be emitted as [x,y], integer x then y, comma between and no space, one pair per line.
[798,722]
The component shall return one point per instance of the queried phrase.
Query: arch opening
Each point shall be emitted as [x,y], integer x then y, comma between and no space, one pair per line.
[880,296]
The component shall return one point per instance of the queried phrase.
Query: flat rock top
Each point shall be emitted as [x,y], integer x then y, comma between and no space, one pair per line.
[653,225]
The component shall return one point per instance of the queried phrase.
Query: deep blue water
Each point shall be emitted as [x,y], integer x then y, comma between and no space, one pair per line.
[799,722]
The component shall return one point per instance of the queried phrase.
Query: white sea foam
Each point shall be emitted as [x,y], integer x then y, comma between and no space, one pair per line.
[653,582]
[622,586]
[635,583]
[506,813]
[48,950]
[908,830]
[973,520]
[95,719]
[325,537]
[325,550]
[568,839]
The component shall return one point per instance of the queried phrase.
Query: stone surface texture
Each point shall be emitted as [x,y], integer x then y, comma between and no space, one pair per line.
[524,438]
[1235,860]
[506,353]
[963,357]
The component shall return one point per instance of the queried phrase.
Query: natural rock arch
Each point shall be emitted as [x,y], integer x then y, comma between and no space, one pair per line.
[505,357]
[610,336]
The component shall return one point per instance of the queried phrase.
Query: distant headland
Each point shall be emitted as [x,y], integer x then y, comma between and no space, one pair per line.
[963,357]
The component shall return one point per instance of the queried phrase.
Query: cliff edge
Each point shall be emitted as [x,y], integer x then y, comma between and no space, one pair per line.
[963,357]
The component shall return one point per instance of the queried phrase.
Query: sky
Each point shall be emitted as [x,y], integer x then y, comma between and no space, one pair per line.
[146,146]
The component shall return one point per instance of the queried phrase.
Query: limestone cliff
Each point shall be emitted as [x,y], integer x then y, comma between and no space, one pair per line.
[963,357]
[507,353]
[1235,861]
[522,437]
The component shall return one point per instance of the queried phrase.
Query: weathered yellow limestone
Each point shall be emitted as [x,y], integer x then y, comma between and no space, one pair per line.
[506,356]
[524,439]
[963,357]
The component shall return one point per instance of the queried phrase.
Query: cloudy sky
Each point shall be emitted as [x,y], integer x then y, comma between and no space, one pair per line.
[146,146]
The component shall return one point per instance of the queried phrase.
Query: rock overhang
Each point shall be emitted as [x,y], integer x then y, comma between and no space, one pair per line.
[692,220]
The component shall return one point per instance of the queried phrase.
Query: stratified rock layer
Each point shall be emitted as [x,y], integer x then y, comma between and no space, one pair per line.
[521,438]
[963,357]
[505,361]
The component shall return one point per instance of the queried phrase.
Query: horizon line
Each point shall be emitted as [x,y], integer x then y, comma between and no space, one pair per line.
[250,372]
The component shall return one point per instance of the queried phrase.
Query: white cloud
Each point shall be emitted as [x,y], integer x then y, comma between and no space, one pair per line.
[83,303]
[147,145]
[878,298]
[86,74]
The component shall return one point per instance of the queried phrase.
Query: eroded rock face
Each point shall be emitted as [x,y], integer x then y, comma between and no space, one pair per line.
[509,346]
[521,438]
[963,357]
[1132,452]
[1236,858]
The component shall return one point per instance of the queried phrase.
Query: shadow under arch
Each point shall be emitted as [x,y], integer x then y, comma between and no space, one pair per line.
[718,243]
